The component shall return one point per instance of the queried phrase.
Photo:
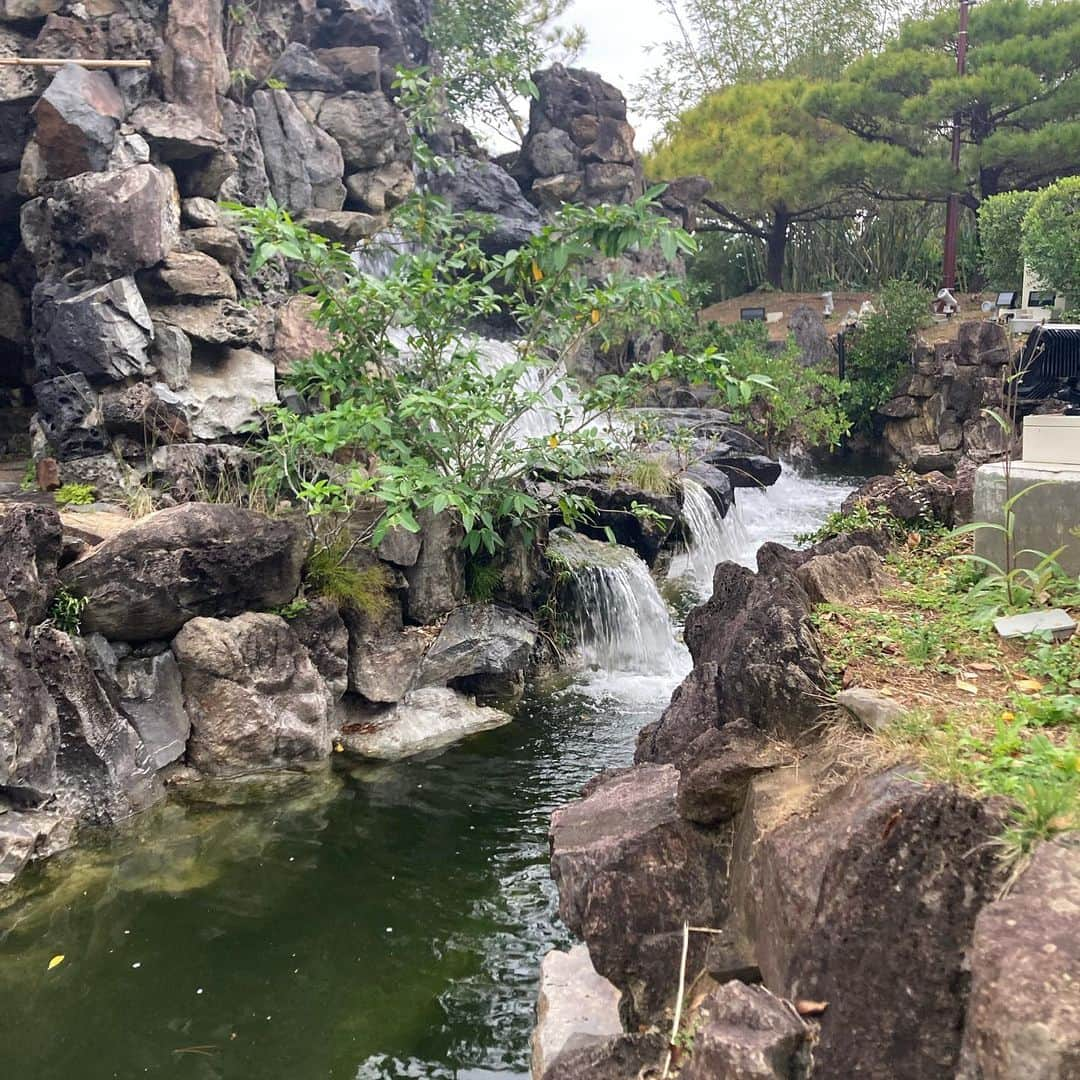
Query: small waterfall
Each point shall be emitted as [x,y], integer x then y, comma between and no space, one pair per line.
[623,624]
[713,539]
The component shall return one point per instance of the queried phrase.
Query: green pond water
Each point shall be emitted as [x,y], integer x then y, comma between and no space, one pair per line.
[376,922]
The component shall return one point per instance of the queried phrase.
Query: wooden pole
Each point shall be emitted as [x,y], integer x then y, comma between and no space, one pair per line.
[952,211]
[40,61]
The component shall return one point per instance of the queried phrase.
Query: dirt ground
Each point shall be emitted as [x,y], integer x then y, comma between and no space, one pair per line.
[786,302]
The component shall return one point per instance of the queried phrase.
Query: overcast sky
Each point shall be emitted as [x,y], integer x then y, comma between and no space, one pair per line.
[619,31]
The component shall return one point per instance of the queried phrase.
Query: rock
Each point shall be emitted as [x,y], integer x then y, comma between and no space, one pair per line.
[550,192]
[26,10]
[171,355]
[189,470]
[194,67]
[869,903]
[303,162]
[874,711]
[152,697]
[614,1058]
[30,542]
[102,472]
[300,69]
[76,120]
[807,326]
[630,871]
[482,187]
[716,482]
[357,67]
[906,498]
[614,510]
[217,241]
[249,184]
[745,470]
[322,631]
[550,153]
[1055,622]
[216,322]
[220,399]
[899,408]
[193,559]
[712,789]
[1023,1017]
[399,546]
[296,335]
[426,719]
[610,182]
[69,418]
[47,473]
[746,1033]
[28,835]
[103,771]
[254,696]
[100,331]
[149,414]
[843,576]
[200,213]
[399,30]
[29,726]
[384,658]
[381,189]
[176,133]
[479,639]
[575,1006]
[437,577]
[192,274]
[347,227]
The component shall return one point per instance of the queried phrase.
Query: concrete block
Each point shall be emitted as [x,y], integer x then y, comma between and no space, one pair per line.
[1047,517]
[1057,622]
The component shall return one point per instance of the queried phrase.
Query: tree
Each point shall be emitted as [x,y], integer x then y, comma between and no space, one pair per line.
[1001,222]
[767,159]
[488,50]
[718,43]
[1019,104]
[1051,237]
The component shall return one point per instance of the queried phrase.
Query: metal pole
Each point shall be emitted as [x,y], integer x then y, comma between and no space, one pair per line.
[952,213]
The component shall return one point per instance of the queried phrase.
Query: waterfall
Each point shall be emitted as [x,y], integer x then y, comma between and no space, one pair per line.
[713,539]
[623,624]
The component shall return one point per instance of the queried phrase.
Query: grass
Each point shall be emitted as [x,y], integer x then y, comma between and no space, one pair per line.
[991,716]
[331,573]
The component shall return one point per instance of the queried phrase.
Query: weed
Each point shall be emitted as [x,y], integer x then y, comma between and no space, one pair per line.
[861,517]
[65,612]
[649,474]
[331,572]
[29,477]
[482,579]
[292,610]
[74,495]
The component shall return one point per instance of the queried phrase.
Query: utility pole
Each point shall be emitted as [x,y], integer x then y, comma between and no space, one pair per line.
[952,213]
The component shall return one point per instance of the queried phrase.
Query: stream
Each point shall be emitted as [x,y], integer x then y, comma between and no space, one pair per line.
[379,922]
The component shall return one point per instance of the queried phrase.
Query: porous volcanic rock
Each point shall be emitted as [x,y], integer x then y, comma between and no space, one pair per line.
[908,498]
[195,559]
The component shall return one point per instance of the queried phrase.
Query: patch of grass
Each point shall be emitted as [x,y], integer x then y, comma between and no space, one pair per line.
[330,572]
[74,495]
[65,612]
[652,475]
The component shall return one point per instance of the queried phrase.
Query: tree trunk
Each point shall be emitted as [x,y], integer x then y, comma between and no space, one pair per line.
[776,250]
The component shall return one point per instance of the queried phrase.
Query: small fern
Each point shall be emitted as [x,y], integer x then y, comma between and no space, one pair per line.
[482,580]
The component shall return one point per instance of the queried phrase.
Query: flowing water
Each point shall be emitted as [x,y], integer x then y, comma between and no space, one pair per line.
[376,922]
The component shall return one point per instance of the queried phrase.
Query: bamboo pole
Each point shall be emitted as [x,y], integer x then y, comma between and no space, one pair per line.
[40,61]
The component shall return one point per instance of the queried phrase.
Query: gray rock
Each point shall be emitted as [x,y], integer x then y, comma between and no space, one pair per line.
[303,162]
[367,127]
[192,274]
[874,711]
[610,181]
[575,1006]
[188,471]
[175,132]
[400,547]
[384,658]
[151,696]
[76,120]
[217,241]
[812,339]
[437,577]
[381,189]
[30,543]
[221,399]
[910,499]
[348,227]
[193,67]
[843,576]
[1059,624]
[322,631]
[254,696]
[1023,1017]
[551,152]
[101,331]
[357,66]
[249,184]
[195,559]
[479,639]
[746,1033]
[69,418]
[171,355]
[216,322]
[614,1058]
[103,771]
[426,719]
[300,69]
[148,414]
[200,213]
[29,835]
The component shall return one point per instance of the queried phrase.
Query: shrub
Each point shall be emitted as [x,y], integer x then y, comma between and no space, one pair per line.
[65,612]
[1001,220]
[1051,239]
[74,495]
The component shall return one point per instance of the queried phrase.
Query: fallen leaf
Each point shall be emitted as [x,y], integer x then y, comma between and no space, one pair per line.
[847,678]
[983,666]
[810,1008]
[338,748]
[968,688]
[56,961]
[1033,686]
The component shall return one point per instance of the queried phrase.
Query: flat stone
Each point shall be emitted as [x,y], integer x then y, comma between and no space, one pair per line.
[874,711]
[151,694]
[1056,622]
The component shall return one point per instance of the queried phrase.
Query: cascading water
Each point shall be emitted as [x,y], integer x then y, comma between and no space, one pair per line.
[713,539]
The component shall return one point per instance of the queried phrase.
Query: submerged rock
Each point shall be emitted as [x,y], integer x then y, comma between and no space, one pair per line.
[30,834]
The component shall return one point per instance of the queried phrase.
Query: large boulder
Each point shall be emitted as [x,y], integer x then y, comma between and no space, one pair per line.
[908,498]
[30,547]
[194,67]
[479,639]
[213,322]
[103,770]
[1023,1017]
[437,576]
[195,559]
[152,697]
[367,127]
[249,183]
[102,331]
[304,163]
[425,719]
[77,117]
[255,699]
[630,872]
[614,502]
[176,133]
[69,418]
[384,656]
[221,398]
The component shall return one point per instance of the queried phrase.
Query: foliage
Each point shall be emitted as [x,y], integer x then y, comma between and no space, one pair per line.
[65,612]
[1051,236]
[74,495]
[293,609]
[879,351]
[482,579]
[650,474]
[332,571]
[29,477]
[1001,219]
[861,517]
[1019,104]
[488,50]
[409,410]
[768,159]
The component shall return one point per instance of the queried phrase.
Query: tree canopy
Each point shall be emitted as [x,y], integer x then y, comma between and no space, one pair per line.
[1019,104]
[768,159]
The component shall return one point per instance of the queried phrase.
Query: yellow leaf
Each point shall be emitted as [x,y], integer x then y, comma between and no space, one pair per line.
[968,688]
[56,961]
[553,441]
[537,273]
[980,666]
[1033,686]
[1008,716]
[595,316]
[338,748]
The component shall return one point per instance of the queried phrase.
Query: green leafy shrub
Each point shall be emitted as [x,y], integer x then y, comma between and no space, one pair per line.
[879,351]
[331,572]
[65,612]
[292,610]
[1051,238]
[482,579]
[74,495]
[1001,221]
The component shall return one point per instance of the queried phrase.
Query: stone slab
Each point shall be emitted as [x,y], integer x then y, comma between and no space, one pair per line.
[1055,621]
